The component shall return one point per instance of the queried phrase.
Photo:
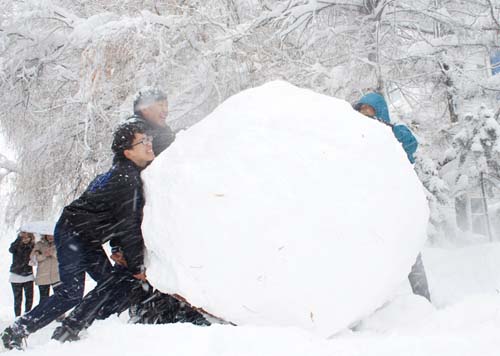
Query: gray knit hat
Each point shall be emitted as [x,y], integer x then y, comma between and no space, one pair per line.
[147,96]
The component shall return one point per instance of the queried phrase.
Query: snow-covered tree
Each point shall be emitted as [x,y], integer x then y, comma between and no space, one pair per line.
[430,58]
[69,70]
[67,80]
[6,166]
[474,170]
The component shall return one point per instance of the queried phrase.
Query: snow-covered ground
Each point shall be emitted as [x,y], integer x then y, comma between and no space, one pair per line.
[468,324]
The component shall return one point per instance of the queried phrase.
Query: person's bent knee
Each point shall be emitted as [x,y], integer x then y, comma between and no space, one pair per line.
[69,295]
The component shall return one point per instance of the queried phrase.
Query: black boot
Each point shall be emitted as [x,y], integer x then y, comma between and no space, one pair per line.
[12,340]
[187,314]
[64,333]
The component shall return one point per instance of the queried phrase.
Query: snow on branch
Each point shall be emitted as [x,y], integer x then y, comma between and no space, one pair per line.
[295,14]
[6,166]
[494,16]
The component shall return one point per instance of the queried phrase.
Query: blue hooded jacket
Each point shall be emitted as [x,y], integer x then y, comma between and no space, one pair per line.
[402,132]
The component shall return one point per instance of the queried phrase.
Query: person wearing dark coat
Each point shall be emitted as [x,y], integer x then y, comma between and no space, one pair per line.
[109,209]
[21,272]
[373,105]
[118,293]
[151,107]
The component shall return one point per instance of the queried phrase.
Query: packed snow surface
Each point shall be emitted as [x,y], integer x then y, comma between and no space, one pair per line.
[408,325]
[474,270]
[284,207]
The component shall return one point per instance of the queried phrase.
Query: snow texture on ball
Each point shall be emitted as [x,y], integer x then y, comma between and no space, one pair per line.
[284,207]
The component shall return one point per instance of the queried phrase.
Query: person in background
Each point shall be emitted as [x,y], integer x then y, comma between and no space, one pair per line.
[110,208]
[21,272]
[154,307]
[47,272]
[151,107]
[373,105]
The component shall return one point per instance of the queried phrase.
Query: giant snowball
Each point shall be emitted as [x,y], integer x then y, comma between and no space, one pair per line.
[284,207]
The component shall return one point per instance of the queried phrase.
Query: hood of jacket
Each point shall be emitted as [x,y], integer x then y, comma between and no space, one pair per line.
[377,102]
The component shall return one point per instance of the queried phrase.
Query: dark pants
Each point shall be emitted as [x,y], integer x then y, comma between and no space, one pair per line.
[418,279]
[75,258]
[17,289]
[116,294]
[111,296]
[44,292]
[151,306]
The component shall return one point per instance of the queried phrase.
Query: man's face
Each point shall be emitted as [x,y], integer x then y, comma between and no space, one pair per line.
[367,110]
[156,113]
[141,152]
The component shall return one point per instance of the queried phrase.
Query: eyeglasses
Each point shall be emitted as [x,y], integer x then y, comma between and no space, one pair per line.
[147,140]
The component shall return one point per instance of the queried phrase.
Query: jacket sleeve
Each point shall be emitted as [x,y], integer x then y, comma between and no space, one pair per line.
[407,140]
[53,252]
[128,214]
[37,253]
[14,246]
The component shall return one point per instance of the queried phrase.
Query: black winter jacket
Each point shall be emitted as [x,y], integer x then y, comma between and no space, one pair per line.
[163,136]
[111,209]
[21,258]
